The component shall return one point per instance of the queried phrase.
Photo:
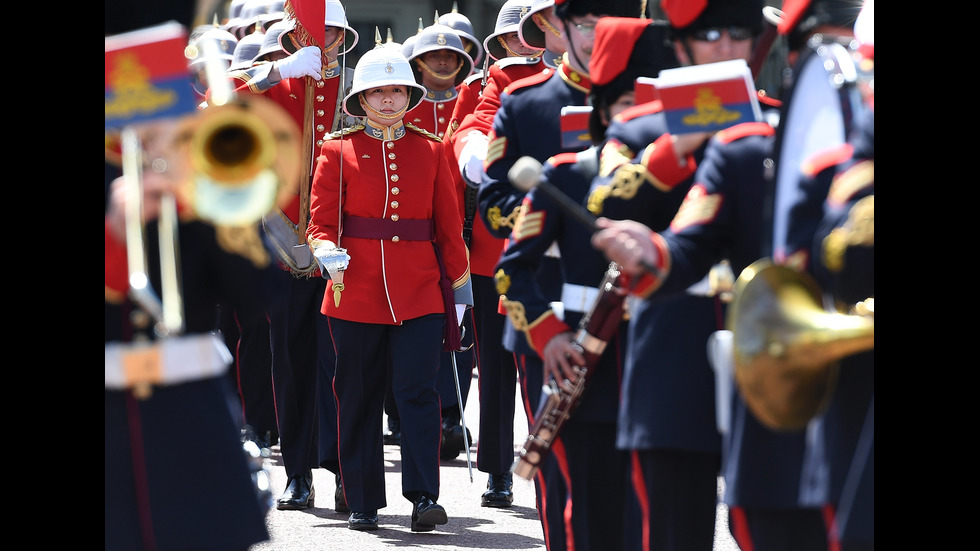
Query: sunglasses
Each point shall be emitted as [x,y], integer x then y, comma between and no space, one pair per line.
[713,34]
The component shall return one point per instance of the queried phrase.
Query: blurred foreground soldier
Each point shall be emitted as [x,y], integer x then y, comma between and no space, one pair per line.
[464,28]
[830,235]
[385,229]
[166,382]
[310,74]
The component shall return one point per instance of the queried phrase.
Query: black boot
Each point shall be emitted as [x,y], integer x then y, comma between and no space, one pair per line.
[452,437]
[340,500]
[499,491]
[426,513]
[299,493]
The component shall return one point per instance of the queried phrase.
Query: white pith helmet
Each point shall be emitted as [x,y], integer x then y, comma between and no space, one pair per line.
[528,30]
[508,21]
[382,66]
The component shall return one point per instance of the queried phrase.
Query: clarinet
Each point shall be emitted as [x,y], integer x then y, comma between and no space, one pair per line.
[595,330]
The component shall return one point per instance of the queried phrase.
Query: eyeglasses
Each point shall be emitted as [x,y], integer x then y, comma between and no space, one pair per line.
[585,28]
[713,34]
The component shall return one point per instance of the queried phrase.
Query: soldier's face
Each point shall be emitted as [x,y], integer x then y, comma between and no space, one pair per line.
[581,37]
[724,47]
[386,100]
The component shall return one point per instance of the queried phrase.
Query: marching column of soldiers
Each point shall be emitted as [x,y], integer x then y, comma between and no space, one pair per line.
[602,211]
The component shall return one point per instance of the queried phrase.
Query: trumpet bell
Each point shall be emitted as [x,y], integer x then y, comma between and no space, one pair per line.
[243,160]
[786,345]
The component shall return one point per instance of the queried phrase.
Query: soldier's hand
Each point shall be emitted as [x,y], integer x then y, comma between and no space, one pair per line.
[331,260]
[562,357]
[627,243]
[305,62]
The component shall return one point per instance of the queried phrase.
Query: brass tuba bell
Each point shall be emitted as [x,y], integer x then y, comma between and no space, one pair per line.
[786,345]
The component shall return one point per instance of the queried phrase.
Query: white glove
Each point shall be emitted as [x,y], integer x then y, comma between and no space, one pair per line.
[331,260]
[305,62]
[460,310]
[472,156]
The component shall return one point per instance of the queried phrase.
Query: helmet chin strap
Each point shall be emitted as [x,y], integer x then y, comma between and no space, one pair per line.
[503,43]
[379,114]
[433,74]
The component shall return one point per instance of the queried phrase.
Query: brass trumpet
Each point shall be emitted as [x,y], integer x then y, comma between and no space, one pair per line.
[786,345]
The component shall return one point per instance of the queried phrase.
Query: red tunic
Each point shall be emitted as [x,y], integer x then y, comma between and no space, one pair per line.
[407,178]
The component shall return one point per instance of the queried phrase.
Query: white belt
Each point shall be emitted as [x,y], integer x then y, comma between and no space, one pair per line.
[578,298]
[165,362]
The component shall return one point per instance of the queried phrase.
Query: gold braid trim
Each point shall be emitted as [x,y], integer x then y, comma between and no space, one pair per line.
[344,132]
[423,131]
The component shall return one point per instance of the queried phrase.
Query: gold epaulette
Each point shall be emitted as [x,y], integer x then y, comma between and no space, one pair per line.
[423,131]
[344,131]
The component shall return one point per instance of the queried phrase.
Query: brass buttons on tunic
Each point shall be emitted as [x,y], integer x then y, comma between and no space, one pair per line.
[395,191]
[394,217]
[395,239]
[391,155]
[394,204]
[393,166]
[320,128]
[319,112]
[320,98]
[394,177]
[390,145]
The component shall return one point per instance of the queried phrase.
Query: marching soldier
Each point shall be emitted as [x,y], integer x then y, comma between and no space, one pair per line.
[589,434]
[441,64]
[385,228]
[497,370]
[527,123]
[669,333]
[299,333]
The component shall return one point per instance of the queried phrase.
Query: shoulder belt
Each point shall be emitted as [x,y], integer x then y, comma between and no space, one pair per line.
[423,131]
[738,131]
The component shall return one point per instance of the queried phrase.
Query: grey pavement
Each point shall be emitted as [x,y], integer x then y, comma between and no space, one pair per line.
[470,525]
